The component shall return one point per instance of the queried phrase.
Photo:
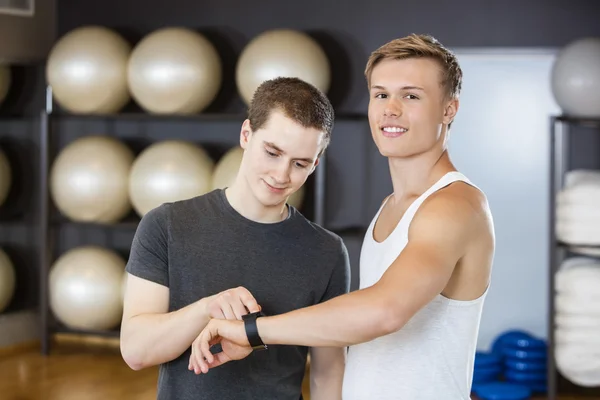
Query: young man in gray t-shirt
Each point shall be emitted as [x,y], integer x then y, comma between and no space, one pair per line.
[237,251]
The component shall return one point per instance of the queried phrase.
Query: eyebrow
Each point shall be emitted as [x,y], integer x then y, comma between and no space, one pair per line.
[378,87]
[272,145]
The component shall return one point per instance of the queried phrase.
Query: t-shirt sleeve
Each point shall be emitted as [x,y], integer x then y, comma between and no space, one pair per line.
[149,256]
[339,283]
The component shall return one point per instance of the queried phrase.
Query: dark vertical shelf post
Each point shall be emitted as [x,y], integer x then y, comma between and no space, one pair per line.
[320,190]
[44,239]
[558,167]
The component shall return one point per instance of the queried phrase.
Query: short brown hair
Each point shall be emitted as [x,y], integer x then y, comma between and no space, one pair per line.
[421,46]
[297,100]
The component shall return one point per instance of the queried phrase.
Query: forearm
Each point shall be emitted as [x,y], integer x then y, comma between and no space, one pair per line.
[152,339]
[346,320]
[326,380]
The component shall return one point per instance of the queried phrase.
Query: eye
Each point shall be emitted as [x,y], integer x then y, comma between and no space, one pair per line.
[381,96]
[412,97]
[300,165]
[270,154]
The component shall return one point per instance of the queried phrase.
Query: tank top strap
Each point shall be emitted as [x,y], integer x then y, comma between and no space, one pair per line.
[447,179]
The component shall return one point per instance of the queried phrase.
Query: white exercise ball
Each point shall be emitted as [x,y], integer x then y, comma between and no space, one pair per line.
[5,81]
[169,171]
[89,180]
[227,168]
[281,53]
[8,280]
[85,288]
[576,78]
[5,177]
[174,71]
[87,70]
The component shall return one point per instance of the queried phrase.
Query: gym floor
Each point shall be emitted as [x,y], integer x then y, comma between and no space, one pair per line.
[76,371]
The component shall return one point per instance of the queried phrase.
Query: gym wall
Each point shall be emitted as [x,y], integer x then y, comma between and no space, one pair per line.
[27,32]
[347,34]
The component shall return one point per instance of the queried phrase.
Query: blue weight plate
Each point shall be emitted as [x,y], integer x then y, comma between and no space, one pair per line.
[520,365]
[502,391]
[498,343]
[483,359]
[522,355]
[524,377]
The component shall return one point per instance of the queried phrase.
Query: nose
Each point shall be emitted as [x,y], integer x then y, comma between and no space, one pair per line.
[392,109]
[281,174]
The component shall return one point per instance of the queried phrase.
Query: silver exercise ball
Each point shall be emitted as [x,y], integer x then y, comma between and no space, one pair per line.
[85,288]
[89,180]
[169,171]
[174,71]
[5,81]
[87,69]
[8,280]
[5,177]
[227,168]
[285,53]
[576,78]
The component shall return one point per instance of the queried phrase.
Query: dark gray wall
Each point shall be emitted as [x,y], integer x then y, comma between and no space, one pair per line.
[27,39]
[357,176]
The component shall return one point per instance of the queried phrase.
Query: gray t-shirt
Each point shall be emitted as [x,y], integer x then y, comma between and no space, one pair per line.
[202,246]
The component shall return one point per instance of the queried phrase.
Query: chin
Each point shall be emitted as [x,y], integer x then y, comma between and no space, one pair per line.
[267,198]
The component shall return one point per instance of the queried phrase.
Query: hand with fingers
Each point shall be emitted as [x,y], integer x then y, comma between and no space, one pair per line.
[232,337]
[232,304]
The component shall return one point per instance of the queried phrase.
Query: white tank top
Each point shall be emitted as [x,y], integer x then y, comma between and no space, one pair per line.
[432,356]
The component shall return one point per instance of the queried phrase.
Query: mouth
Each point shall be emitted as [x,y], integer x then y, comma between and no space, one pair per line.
[393,130]
[274,189]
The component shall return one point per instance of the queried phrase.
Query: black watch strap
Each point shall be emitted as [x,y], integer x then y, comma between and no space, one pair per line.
[252,330]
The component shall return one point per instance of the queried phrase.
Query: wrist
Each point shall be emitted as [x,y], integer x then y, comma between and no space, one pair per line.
[263,325]
[201,310]
[253,335]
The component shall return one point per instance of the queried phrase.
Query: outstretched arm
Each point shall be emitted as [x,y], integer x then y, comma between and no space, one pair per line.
[439,237]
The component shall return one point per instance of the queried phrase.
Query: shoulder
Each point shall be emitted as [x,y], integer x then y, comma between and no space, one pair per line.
[459,211]
[316,235]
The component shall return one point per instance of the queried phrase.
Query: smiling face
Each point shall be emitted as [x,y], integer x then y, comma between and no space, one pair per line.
[409,110]
[278,158]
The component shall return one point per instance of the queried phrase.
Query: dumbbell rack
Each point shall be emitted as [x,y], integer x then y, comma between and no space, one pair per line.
[47,135]
[559,166]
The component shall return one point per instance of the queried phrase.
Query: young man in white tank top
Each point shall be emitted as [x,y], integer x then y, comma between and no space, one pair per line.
[427,256]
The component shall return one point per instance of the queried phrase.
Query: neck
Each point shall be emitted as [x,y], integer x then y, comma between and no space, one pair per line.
[414,175]
[243,201]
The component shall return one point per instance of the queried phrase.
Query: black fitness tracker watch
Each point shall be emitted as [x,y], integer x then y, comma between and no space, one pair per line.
[252,330]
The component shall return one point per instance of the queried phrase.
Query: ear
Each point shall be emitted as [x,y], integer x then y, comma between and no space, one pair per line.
[245,134]
[450,111]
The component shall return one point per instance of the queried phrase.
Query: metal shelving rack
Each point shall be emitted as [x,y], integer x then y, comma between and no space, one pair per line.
[559,166]
[48,220]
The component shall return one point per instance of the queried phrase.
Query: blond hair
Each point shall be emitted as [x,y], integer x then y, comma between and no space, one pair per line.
[421,46]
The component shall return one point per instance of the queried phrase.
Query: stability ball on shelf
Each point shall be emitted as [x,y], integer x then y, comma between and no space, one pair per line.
[174,71]
[7,280]
[85,288]
[169,171]
[87,70]
[5,177]
[285,53]
[89,179]
[5,81]
[576,78]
